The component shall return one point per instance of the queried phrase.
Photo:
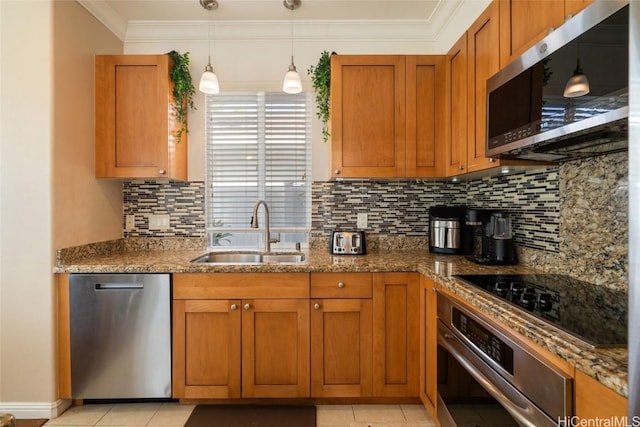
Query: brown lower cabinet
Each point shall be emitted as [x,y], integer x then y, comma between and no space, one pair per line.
[341,335]
[240,335]
[428,344]
[396,334]
[244,335]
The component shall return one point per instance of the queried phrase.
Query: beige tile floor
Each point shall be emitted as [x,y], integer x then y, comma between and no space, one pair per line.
[175,415]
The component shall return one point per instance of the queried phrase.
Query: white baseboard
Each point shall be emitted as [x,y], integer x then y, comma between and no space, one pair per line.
[35,410]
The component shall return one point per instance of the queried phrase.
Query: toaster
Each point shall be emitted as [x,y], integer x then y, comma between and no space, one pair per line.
[347,243]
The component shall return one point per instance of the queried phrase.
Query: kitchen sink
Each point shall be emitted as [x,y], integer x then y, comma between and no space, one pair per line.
[250,258]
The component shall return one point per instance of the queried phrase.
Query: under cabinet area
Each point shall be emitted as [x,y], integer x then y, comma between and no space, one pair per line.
[135,123]
[240,335]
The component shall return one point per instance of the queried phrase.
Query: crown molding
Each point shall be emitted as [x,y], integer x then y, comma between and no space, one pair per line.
[407,30]
[428,30]
[107,16]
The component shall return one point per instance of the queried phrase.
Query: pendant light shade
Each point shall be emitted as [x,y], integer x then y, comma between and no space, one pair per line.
[578,84]
[209,81]
[292,82]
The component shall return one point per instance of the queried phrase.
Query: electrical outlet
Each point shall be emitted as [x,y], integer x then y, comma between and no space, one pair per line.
[362,221]
[130,222]
[158,222]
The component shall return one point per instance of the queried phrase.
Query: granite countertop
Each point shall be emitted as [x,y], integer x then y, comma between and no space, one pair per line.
[607,365]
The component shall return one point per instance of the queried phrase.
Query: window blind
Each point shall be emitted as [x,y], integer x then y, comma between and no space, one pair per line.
[258,146]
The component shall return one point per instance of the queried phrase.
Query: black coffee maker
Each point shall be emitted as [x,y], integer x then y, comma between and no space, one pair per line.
[488,238]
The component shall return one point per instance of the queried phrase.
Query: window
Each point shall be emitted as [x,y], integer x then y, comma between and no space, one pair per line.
[258,147]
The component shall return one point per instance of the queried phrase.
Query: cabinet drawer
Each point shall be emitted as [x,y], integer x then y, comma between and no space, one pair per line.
[240,285]
[341,285]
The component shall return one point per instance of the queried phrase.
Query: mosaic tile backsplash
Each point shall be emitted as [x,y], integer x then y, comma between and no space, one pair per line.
[402,207]
[571,218]
[182,201]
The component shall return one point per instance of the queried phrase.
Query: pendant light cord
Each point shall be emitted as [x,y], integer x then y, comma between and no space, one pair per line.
[291,19]
[209,27]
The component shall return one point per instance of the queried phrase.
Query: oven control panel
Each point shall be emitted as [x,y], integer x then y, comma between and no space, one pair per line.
[488,343]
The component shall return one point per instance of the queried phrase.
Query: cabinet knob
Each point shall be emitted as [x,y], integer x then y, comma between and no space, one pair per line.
[460,167]
[234,307]
[543,48]
[434,289]
[340,285]
[316,306]
[162,171]
[491,159]
[337,171]
[247,306]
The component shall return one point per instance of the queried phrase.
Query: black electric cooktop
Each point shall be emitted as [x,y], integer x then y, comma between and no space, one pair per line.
[594,314]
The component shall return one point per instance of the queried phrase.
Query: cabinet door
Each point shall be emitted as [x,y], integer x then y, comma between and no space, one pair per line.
[425,97]
[396,334]
[455,141]
[135,124]
[206,349]
[275,348]
[524,22]
[341,361]
[595,401]
[484,61]
[572,7]
[428,345]
[367,116]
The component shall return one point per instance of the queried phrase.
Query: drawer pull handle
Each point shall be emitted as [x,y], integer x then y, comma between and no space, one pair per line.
[340,285]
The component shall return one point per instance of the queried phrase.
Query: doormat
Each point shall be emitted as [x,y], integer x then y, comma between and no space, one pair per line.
[252,416]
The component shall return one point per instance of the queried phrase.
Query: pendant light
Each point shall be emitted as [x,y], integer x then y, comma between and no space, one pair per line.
[292,83]
[209,81]
[578,84]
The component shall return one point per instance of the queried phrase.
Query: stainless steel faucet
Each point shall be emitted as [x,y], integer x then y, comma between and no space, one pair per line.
[254,224]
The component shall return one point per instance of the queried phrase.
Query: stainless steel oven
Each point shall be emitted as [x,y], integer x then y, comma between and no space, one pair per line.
[533,392]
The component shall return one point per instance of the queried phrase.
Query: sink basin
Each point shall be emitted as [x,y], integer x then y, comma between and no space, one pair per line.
[250,258]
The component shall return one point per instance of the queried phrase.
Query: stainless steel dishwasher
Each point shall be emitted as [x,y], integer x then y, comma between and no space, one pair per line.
[120,336]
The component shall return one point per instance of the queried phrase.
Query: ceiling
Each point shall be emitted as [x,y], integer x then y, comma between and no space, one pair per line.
[265,10]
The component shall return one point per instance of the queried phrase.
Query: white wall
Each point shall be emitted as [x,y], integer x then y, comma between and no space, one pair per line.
[48,195]
[85,209]
[27,339]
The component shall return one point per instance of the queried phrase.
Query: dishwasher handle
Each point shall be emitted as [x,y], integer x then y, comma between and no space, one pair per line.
[116,286]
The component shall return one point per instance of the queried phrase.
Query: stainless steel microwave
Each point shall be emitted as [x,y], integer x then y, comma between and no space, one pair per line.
[532,112]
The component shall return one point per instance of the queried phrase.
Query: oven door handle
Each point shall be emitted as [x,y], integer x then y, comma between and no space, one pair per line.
[524,411]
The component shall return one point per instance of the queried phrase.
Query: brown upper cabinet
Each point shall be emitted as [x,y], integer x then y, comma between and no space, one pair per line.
[135,125]
[456,122]
[385,120]
[470,62]
[525,22]
[473,59]
[483,61]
